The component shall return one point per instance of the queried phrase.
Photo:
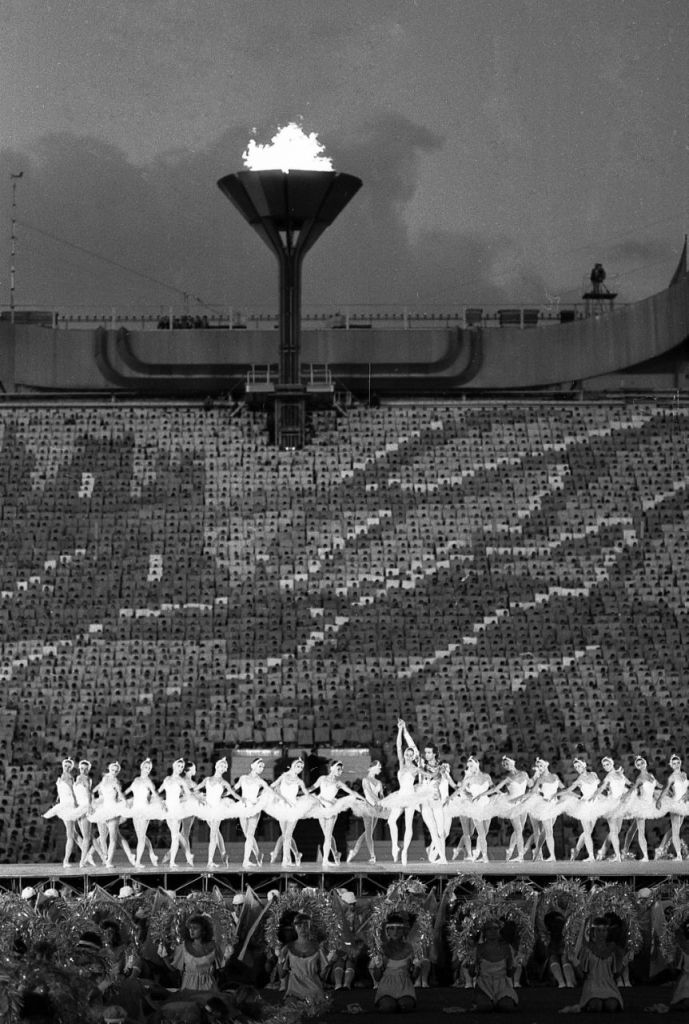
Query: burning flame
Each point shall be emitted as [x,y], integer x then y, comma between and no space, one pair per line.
[290,149]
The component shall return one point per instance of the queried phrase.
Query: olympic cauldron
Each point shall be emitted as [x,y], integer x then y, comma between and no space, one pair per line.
[289,210]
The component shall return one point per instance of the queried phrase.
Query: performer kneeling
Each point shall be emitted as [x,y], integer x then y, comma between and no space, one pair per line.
[494,971]
[395,979]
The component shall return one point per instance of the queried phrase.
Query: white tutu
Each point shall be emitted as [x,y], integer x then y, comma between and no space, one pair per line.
[372,812]
[507,808]
[402,799]
[65,812]
[323,809]
[546,809]
[108,810]
[640,806]
[284,810]
[591,810]
[147,806]
[670,805]
[481,808]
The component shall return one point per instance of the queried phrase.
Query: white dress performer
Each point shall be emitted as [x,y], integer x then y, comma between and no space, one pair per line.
[543,806]
[329,805]
[83,787]
[144,806]
[471,800]
[406,799]
[179,804]
[506,796]
[66,809]
[255,794]
[640,804]
[108,811]
[294,805]
[673,800]
[217,808]
[611,790]
[369,810]
[187,823]
[585,807]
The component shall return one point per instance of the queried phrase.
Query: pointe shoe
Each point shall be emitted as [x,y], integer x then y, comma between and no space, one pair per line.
[455,853]
[154,859]
[190,859]
[274,857]
[66,863]
[350,856]
[395,854]
[338,857]
[297,858]
[403,857]
[211,865]
[372,860]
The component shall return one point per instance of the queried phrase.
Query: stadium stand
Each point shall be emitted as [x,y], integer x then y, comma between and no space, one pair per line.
[507,577]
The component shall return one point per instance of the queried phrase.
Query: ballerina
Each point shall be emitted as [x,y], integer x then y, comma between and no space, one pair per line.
[187,823]
[471,801]
[585,808]
[673,801]
[145,806]
[543,806]
[66,809]
[179,804]
[611,791]
[640,804]
[83,786]
[369,810]
[406,798]
[295,805]
[108,811]
[255,795]
[330,805]
[217,808]
[506,796]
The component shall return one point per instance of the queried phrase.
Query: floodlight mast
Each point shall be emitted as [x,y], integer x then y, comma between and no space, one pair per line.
[290,210]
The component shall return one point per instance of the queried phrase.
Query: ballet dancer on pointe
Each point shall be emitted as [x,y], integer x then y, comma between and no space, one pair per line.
[330,805]
[179,802]
[405,799]
[640,804]
[369,810]
[217,808]
[187,824]
[145,806]
[256,794]
[83,787]
[611,792]
[583,806]
[673,801]
[543,806]
[506,796]
[108,811]
[66,809]
[471,801]
[294,805]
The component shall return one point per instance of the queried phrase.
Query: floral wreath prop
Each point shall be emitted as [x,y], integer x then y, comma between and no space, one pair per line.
[167,921]
[403,897]
[62,985]
[319,906]
[614,898]
[488,905]
[18,919]
[563,895]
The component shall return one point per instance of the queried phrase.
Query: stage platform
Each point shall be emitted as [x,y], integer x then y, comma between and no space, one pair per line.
[359,876]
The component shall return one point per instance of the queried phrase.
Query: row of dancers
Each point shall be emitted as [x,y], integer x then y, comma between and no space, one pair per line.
[425,785]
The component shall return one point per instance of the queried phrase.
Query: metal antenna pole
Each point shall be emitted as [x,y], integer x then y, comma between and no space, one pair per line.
[13,240]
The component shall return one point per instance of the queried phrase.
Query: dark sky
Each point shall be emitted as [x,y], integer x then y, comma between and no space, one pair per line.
[504,146]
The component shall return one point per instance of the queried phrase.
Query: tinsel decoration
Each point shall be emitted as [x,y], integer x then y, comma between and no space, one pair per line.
[615,899]
[475,882]
[326,922]
[404,897]
[17,920]
[63,986]
[563,895]
[675,922]
[491,904]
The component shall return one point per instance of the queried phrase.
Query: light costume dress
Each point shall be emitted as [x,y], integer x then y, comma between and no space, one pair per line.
[198,972]
[82,794]
[328,804]
[471,801]
[600,978]
[303,979]
[583,808]
[216,807]
[617,787]
[67,807]
[365,809]
[180,803]
[503,805]
[255,798]
[144,803]
[544,804]
[492,979]
[640,802]
[293,806]
[111,804]
[408,795]
[396,980]
[674,802]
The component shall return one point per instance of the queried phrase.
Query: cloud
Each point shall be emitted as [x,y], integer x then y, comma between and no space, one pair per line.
[96,229]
